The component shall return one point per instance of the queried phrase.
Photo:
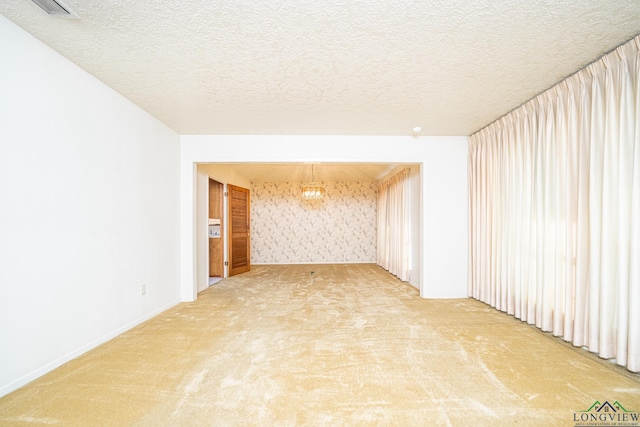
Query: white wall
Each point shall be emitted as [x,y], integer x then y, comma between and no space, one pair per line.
[445,221]
[202,242]
[443,231]
[88,211]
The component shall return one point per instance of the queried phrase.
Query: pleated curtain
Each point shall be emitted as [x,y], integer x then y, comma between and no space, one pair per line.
[393,227]
[554,199]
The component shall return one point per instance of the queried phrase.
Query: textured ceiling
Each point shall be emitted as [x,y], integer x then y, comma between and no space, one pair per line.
[322,172]
[333,66]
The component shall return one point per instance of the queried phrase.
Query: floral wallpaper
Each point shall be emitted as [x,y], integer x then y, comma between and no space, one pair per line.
[341,227]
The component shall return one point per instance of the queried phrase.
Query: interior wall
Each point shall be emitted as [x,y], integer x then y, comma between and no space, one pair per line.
[89,193]
[443,191]
[445,220]
[339,228]
[202,212]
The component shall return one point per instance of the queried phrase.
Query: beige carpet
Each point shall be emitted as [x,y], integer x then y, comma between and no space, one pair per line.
[324,345]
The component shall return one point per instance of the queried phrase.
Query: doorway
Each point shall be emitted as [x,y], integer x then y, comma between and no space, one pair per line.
[216,231]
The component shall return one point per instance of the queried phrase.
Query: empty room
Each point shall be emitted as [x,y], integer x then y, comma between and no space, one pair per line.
[319,213]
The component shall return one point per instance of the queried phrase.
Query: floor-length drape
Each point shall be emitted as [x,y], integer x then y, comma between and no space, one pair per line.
[393,249]
[554,202]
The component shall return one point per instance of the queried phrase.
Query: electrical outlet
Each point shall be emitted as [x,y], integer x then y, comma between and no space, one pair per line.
[143,289]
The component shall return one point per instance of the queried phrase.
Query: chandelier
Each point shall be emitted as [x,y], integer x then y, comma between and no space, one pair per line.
[312,190]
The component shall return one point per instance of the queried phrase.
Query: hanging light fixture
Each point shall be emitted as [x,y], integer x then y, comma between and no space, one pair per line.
[312,190]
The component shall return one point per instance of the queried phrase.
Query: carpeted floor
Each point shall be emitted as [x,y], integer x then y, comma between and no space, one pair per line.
[324,345]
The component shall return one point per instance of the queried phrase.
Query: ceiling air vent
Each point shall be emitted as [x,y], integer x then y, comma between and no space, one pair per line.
[55,8]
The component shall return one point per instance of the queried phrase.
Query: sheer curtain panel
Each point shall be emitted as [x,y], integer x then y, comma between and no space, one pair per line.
[554,193]
[393,252]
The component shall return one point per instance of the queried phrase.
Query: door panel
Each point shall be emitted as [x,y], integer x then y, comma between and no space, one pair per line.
[239,230]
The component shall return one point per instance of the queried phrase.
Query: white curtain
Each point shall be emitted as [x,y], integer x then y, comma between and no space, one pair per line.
[554,193]
[393,249]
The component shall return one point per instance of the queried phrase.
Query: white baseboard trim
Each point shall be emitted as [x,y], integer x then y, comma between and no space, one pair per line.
[14,385]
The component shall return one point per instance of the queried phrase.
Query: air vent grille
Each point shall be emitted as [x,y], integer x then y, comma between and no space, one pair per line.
[55,8]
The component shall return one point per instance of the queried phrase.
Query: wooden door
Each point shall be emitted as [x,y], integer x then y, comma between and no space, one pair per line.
[216,254]
[239,230]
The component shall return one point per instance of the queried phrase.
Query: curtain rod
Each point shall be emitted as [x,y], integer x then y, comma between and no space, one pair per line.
[558,82]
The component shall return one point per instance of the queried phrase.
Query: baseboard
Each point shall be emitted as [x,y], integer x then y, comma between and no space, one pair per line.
[14,385]
[313,263]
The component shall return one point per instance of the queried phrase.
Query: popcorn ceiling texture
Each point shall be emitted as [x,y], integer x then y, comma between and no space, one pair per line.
[334,66]
[339,228]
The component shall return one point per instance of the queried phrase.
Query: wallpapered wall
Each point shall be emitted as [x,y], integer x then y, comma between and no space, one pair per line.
[339,228]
